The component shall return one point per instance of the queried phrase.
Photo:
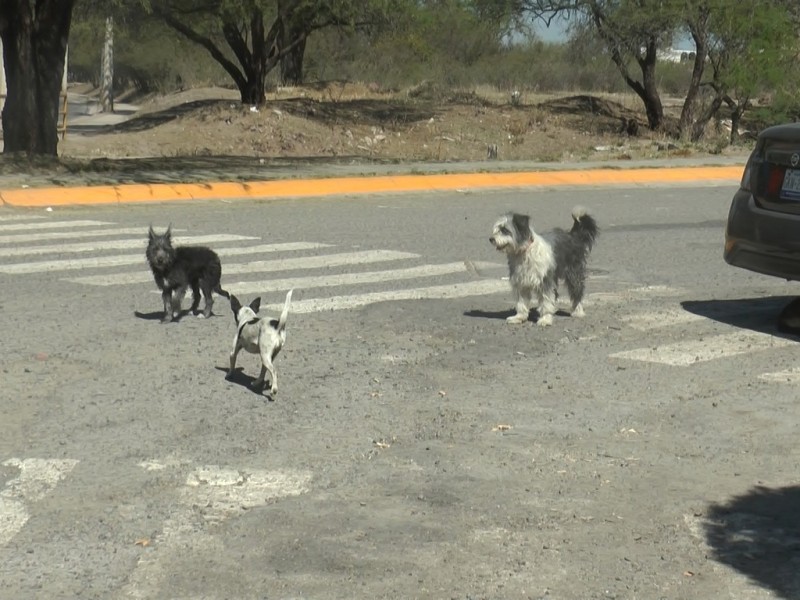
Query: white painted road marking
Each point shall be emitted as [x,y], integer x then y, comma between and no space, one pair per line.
[262,266]
[19,217]
[456,290]
[51,225]
[222,493]
[17,238]
[786,376]
[690,352]
[36,479]
[305,283]
[71,264]
[141,243]
[654,320]
[482,287]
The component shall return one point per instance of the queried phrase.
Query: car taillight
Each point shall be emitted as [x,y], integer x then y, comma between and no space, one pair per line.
[775,180]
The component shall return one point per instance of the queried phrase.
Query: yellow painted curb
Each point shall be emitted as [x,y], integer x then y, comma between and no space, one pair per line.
[295,188]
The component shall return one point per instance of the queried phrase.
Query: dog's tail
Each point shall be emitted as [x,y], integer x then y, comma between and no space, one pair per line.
[285,312]
[584,227]
[222,292]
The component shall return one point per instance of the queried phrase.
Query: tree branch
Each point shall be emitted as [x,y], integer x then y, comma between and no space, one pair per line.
[205,42]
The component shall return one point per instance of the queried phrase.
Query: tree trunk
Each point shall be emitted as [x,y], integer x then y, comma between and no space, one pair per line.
[649,89]
[107,69]
[292,62]
[699,32]
[253,92]
[34,48]
[699,126]
[736,118]
[254,61]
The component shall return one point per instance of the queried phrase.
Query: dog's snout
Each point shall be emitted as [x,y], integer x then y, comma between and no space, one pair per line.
[491,240]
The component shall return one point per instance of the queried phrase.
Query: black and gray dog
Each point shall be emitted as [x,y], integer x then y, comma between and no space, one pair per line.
[537,263]
[177,268]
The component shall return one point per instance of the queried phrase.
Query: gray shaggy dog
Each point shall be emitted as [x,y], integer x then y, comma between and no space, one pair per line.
[177,268]
[538,262]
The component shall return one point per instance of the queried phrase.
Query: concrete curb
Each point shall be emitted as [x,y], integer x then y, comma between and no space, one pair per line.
[299,188]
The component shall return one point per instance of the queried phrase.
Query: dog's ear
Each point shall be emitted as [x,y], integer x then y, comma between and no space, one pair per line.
[236,306]
[522,228]
[256,304]
[150,233]
[168,233]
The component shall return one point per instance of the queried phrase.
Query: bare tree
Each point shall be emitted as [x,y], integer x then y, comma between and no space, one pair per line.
[262,34]
[632,33]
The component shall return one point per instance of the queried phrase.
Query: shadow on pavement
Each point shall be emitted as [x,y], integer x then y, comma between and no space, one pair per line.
[758,534]
[239,377]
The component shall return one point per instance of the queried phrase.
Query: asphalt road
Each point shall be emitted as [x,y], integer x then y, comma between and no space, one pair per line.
[419,446]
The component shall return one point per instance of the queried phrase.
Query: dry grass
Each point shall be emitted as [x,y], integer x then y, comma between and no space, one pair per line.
[424,123]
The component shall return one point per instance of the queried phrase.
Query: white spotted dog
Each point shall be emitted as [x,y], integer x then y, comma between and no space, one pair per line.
[259,335]
[538,262]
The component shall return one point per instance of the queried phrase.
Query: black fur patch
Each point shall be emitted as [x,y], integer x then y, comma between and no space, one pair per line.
[522,228]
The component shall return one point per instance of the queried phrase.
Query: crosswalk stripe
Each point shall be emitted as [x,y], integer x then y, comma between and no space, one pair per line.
[71,235]
[71,264]
[262,266]
[785,376]
[51,225]
[4,218]
[224,493]
[655,320]
[322,281]
[115,245]
[439,292]
[317,262]
[682,354]
[37,477]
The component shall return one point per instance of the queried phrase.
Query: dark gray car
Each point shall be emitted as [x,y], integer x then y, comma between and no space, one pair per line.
[763,232]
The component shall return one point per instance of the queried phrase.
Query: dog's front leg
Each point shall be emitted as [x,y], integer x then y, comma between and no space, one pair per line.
[195,297]
[547,307]
[166,297]
[523,300]
[177,300]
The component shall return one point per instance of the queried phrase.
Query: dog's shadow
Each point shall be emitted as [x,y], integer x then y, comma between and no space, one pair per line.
[159,315]
[246,381]
[151,316]
[504,314]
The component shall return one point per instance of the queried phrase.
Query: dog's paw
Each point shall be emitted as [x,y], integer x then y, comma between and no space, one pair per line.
[516,319]
[229,375]
[200,315]
[578,311]
[545,320]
